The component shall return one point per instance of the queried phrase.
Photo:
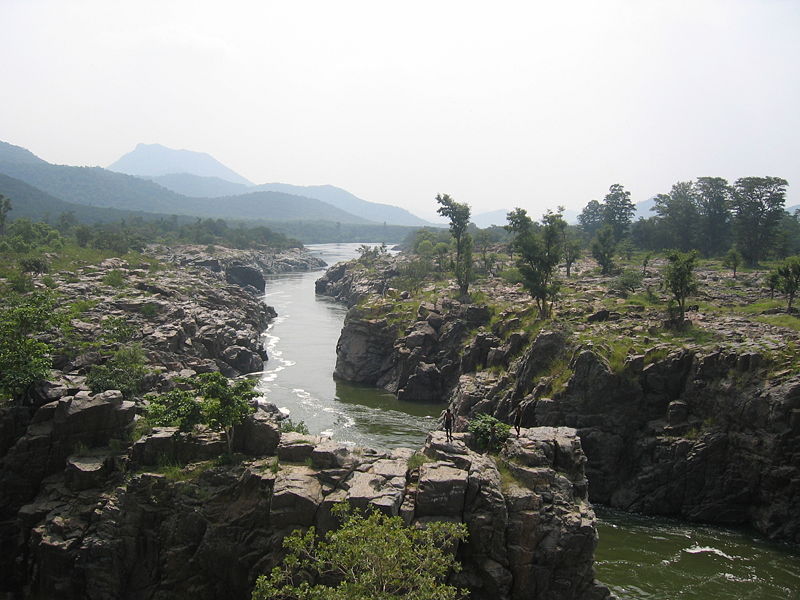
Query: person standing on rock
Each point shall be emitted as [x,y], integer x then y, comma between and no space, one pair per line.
[448,425]
[516,418]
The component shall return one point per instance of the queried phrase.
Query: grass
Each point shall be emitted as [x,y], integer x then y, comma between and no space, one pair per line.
[790,321]
[417,460]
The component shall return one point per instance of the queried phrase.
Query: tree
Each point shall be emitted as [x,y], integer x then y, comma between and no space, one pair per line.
[591,218]
[679,278]
[604,246]
[713,206]
[459,220]
[225,403]
[176,408]
[732,260]
[679,215]
[572,252]
[789,273]
[5,208]
[373,557]
[24,360]
[540,252]
[618,211]
[757,204]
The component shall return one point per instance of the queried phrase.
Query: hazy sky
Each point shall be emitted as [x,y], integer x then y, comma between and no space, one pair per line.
[502,104]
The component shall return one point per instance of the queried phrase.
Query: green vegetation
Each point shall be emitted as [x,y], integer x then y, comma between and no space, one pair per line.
[24,359]
[371,557]
[490,433]
[459,220]
[287,426]
[215,400]
[417,460]
[679,278]
[540,250]
[604,247]
[789,279]
[123,370]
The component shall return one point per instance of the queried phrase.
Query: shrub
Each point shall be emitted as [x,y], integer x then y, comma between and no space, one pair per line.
[117,329]
[24,359]
[149,310]
[176,408]
[115,278]
[124,371]
[287,425]
[34,264]
[373,556]
[490,433]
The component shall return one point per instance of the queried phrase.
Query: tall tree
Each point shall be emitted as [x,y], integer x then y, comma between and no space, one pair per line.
[757,204]
[789,279]
[679,215]
[5,207]
[713,205]
[540,251]
[618,211]
[591,218]
[459,220]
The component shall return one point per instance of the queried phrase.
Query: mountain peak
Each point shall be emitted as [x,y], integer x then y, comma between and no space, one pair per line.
[155,160]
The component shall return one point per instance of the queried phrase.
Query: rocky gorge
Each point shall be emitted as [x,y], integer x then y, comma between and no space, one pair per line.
[89,509]
[700,423]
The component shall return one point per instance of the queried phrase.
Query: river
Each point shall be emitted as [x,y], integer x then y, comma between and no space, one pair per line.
[639,558]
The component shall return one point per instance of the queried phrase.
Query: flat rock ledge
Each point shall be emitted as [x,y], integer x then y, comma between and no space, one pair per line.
[109,526]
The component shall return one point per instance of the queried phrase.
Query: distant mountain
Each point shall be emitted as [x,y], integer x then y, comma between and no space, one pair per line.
[196,186]
[487,219]
[32,203]
[643,209]
[380,213]
[98,187]
[154,160]
[201,176]
[15,154]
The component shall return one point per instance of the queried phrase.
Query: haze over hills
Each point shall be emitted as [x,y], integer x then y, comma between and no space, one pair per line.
[153,160]
[40,190]
[32,203]
[199,175]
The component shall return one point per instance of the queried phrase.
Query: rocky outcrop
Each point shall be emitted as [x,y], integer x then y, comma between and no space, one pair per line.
[419,363]
[701,430]
[111,534]
[704,437]
[249,263]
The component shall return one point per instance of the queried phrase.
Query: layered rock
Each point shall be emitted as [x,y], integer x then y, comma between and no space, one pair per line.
[705,437]
[420,362]
[211,533]
[706,431]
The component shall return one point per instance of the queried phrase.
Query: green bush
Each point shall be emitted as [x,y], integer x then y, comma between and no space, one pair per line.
[373,556]
[149,310]
[125,371]
[114,278]
[490,433]
[34,264]
[117,329]
[287,425]
[176,408]
[24,359]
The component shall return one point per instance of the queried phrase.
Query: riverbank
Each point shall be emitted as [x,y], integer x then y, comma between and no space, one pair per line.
[92,510]
[701,422]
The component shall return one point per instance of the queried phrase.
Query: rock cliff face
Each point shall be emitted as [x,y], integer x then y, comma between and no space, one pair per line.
[127,532]
[187,320]
[708,432]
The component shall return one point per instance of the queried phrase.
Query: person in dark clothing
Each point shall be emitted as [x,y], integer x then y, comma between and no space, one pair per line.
[448,425]
[517,418]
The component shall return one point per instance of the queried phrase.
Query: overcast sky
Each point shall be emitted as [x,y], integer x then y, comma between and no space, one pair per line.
[502,104]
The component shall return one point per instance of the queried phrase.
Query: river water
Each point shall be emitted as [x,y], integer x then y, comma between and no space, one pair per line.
[301,343]
[639,558]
